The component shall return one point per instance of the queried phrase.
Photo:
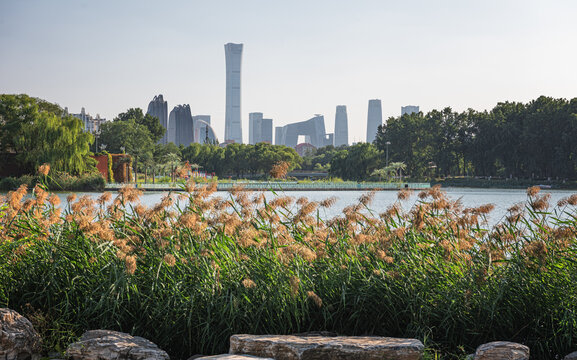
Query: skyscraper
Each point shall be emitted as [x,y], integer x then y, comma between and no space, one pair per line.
[409,109]
[180,126]
[266,131]
[233,124]
[159,108]
[254,127]
[313,131]
[374,119]
[341,126]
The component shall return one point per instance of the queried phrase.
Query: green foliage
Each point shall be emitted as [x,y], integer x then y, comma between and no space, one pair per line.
[240,159]
[110,171]
[320,159]
[151,123]
[57,181]
[356,162]
[512,140]
[39,132]
[191,275]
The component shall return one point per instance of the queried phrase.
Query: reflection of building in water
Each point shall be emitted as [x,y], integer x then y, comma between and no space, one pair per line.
[91,124]
[409,109]
[159,108]
[313,130]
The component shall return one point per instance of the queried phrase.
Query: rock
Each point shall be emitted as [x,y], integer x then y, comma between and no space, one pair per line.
[233,357]
[18,338]
[106,344]
[290,347]
[502,350]
[572,356]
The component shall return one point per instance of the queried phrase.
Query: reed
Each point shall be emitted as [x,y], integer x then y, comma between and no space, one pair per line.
[195,268]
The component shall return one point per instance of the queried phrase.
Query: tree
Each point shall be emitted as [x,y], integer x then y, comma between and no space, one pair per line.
[39,132]
[150,122]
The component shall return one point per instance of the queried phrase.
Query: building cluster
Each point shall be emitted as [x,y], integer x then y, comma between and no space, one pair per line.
[183,128]
[91,124]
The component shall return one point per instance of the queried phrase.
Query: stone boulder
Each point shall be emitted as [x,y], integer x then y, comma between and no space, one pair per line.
[502,350]
[18,338]
[572,356]
[232,357]
[290,347]
[114,345]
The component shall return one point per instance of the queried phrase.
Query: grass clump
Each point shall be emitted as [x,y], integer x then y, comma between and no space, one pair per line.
[195,268]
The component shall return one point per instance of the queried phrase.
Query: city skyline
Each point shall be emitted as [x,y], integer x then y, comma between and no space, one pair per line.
[462,55]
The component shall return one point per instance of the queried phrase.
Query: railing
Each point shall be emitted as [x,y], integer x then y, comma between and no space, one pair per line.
[287,186]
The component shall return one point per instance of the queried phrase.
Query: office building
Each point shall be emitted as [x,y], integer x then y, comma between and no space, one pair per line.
[159,108]
[233,124]
[91,124]
[254,127]
[205,118]
[341,126]
[313,131]
[409,109]
[203,132]
[374,119]
[180,126]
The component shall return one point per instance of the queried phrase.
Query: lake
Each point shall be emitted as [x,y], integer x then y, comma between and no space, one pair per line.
[501,198]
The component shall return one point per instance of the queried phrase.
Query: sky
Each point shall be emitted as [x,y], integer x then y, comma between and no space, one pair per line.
[300,57]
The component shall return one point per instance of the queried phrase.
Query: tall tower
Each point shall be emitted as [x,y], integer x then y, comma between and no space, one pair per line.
[254,128]
[159,108]
[180,126]
[232,124]
[374,119]
[341,126]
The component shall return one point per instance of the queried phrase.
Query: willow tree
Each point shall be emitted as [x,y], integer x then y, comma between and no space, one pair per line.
[39,132]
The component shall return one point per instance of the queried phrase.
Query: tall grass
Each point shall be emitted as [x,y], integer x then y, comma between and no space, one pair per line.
[195,268]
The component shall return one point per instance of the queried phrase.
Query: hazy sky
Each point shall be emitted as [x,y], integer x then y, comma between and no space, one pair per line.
[300,57]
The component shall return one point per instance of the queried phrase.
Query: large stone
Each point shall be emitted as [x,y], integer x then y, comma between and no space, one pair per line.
[290,347]
[502,350]
[114,345]
[18,338]
[572,356]
[232,357]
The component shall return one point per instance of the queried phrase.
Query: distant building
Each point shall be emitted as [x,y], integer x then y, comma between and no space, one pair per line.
[233,123]
[259,129]
[313,130]
[341,126]
[203,132]
[374,119]
[205,118]
[266,131]
[180,126]
[254,127]
[409,109]
[159,108]
[91,124]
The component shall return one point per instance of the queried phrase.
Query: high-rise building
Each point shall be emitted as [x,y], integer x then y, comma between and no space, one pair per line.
[233,124]
[203,132]
[341,126]
[313,131]
[180,126]
[254,127]
[159,108]
[91,124]
[374,119]
[266,131]
[409,109]
[205,118]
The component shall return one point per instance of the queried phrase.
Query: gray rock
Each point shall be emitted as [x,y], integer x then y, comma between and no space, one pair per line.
[572,356]
[232,357]
[18,338]
[290,347]
[502,350]
[113,345]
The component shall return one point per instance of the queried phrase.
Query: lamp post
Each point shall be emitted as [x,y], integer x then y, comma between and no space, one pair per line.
[387,147]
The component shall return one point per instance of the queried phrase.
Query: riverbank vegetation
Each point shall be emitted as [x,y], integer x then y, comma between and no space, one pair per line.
[195,268]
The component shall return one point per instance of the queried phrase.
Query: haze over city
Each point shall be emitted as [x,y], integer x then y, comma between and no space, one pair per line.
[300,58]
